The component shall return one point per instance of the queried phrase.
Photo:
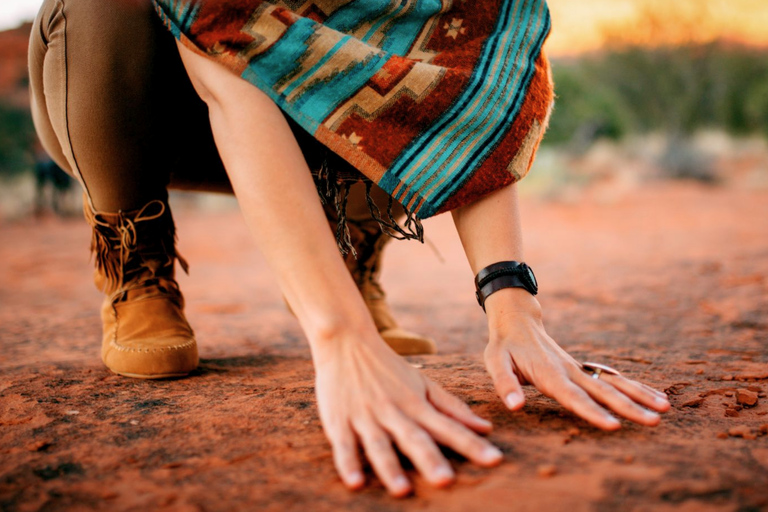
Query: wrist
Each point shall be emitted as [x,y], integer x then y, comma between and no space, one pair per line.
[331,335]
[509,307]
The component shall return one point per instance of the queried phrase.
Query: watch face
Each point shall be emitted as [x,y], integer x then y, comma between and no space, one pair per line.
[531,276]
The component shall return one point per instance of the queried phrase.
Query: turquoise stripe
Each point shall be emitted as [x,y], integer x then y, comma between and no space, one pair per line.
[492,109]
[265,71]
[354,14]
[497,43]
[400,37]
[392,177]
[181,14]
[308,74]
[282,61]
[320,100]
[448,188]
[383,19]
[489,113]
[402,34]
[482,113]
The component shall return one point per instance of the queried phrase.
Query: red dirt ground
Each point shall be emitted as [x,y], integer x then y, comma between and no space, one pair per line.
[668,283]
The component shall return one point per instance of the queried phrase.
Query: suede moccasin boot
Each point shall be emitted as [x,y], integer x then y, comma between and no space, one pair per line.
[364,264]
[146,334]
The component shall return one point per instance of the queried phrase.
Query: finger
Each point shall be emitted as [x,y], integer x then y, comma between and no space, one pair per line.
[576,400]
[504,379]
[655,391]
[459,438]
[418,446]
[640,393]
[455,408]
[378,448]
[345,456]
[615,400]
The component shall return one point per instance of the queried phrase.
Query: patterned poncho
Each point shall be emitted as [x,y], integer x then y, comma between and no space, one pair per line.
[439,102]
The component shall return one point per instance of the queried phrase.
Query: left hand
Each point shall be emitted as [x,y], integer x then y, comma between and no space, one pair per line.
[523,353]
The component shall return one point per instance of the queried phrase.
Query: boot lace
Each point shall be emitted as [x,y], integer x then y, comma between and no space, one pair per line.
[126,261]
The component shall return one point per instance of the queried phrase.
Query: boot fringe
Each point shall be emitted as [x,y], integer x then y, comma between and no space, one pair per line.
[119,237]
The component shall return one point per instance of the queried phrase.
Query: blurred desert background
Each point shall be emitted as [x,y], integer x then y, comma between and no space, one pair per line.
[646,220]
[646,89]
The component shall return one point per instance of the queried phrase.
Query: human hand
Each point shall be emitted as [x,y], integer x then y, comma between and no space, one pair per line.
[369,395]
[521,352]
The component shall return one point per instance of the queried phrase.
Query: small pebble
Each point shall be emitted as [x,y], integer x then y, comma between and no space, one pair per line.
[629,459]
[133,422]
[573,431]
[38,446]
[700,371]
[722,435]
[740,431]
[764,428]
[731,413]
[546,470]
[729,393]
[72,413]
[746,397]
[727,377]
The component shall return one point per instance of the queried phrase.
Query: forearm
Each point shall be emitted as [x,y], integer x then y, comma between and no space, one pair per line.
[490,231]
[280,203]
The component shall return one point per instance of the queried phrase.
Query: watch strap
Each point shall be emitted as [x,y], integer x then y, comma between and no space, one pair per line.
[504,274]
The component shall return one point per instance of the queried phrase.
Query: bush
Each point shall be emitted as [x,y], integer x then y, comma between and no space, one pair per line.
[17,135]
[675,90]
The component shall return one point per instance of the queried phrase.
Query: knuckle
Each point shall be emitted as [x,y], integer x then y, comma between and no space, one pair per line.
[379,444]
[418,408]
[415,436]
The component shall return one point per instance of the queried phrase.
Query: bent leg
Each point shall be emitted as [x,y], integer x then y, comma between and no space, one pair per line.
[112,103]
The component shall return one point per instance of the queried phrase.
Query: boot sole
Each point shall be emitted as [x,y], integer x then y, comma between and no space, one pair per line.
[152,376]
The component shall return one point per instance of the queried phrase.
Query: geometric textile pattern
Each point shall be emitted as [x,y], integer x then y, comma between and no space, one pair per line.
[439,102]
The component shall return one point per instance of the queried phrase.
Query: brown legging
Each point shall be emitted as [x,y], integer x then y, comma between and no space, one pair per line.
[114,107]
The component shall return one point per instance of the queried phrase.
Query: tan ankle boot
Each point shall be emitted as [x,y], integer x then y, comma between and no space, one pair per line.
[368,242]
[145,332]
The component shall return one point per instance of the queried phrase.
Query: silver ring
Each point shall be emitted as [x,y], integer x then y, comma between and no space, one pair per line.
[596,369]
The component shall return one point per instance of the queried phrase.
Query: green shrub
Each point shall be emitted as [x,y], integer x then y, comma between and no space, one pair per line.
[17,135]
[675,90]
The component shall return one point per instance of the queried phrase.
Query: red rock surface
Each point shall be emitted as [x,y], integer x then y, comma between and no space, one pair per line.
[668,283]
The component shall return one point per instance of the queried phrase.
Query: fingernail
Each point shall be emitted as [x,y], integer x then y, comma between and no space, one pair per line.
[492,454]
[514,400]
[661,401]
[483,421]
[400,483]
[355,479]
[443,473]
[650,415]
[612,421]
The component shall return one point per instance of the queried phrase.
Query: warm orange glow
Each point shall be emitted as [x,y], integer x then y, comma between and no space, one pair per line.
[582,25]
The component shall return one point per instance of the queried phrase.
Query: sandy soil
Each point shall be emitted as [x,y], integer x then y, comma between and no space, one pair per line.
[669,283]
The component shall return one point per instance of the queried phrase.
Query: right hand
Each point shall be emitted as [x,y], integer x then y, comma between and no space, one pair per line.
[368,395]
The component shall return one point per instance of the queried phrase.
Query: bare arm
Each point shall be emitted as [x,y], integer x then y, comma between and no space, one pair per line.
[366,393]
[519,350]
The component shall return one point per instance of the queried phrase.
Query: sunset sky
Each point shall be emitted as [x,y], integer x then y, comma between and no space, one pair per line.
[579,25]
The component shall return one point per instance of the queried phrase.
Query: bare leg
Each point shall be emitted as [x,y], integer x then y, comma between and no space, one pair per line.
[365,391]
[520,351]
